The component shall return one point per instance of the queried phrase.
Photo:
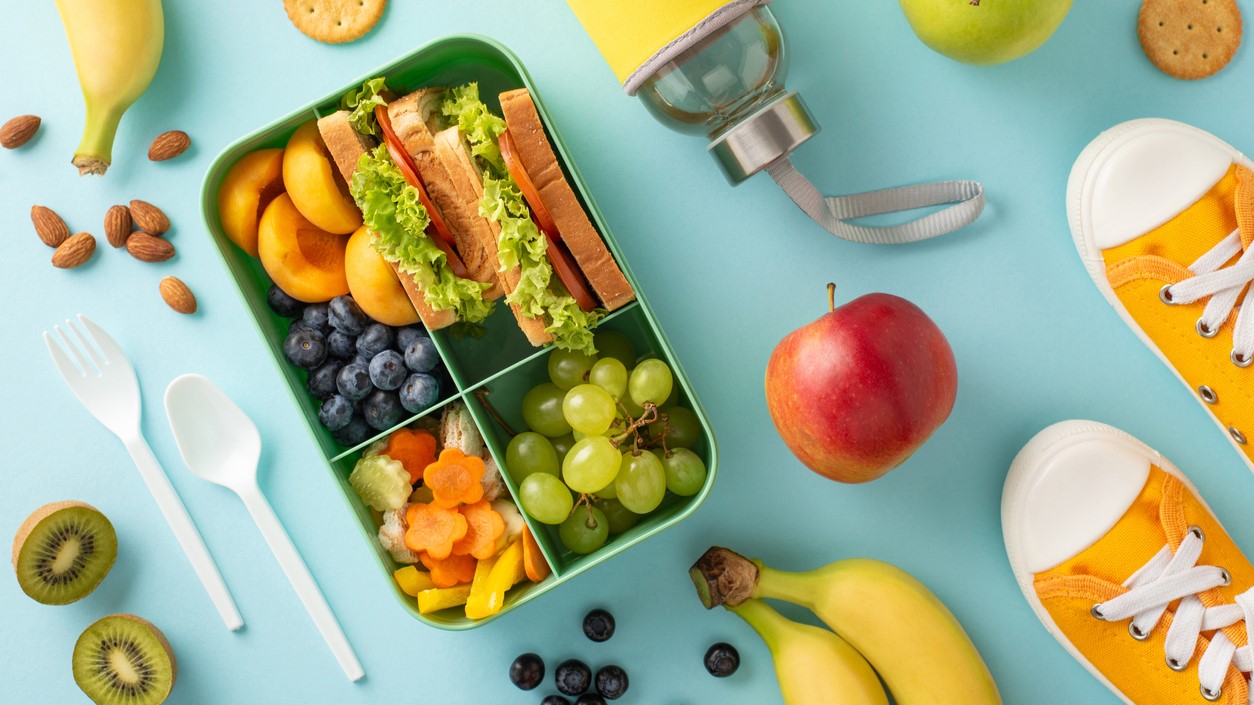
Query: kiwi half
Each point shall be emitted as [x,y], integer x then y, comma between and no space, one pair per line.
[124,660]
[62,552]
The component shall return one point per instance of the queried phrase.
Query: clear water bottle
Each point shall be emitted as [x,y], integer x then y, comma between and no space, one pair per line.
[730,87]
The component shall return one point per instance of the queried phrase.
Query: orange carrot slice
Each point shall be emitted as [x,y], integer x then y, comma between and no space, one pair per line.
[433,529]
[447,572]
[536,567]
[413,448]
[485,526]
[456,478]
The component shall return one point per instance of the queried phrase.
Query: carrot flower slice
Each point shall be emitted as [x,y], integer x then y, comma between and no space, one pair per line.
[447,572]
[433,529]
[413,448]
[485,526]
[456,478]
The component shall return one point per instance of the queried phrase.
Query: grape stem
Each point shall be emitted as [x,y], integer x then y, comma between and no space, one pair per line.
[482,396]
[633,429]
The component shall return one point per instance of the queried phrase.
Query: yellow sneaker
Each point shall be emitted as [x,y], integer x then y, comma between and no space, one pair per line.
[1126,566]
[1163,216]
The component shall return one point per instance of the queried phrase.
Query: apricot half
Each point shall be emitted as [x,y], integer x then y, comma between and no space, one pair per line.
[245,192]
[305,261]
[374,283]
[315,184]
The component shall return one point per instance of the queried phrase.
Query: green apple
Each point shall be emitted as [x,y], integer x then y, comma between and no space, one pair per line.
[985,31]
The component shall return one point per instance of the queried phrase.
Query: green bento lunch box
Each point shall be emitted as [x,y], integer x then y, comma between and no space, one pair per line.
[500,363]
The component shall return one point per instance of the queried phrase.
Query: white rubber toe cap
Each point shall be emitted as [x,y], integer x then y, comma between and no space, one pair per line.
[1066,490]
[1145,176]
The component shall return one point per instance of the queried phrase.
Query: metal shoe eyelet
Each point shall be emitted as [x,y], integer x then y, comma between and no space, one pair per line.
[1236,435]
[1241,361]
[1097,612]
[1226,576]
[1205,332]
[1136,632]
[1176,665]
[1164,295]
[1197,531]
[1212,695]
[1207,394]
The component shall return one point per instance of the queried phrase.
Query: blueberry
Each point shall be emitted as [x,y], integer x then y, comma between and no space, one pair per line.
[421,355]
[590,699]
[611,682]
[722,660]
[360,359]
[297,324]
[387,370]
[283,304]
[316,316]
[357,431]
[554,700]
[341,345]
[573,677]
[418,392]
[598,625]
[321,383]
[407,335]
[375,339]
[336,412]
[305,348]
[346,316]
[382,410]
[527,671]
[353,381]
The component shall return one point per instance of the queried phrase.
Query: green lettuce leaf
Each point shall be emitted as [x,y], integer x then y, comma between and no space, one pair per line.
[478,125]
[392,210]
[361,102]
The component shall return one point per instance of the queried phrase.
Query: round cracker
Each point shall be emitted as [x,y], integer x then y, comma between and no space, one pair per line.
[334,21]
[1190,39]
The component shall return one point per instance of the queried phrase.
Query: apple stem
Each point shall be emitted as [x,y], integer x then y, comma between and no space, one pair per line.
[831,295]
[975,3]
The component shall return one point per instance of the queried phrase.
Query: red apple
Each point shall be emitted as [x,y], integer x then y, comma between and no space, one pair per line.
[856,392]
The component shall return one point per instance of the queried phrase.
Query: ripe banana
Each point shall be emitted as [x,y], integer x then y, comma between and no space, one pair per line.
[813,666]
[116,46]
[892,619]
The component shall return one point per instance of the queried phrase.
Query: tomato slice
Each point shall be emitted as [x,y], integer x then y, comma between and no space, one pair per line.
[568,274]
[454,262]
[510,154]
[403,162]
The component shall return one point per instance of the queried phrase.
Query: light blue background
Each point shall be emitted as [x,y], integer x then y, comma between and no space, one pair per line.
[729,272]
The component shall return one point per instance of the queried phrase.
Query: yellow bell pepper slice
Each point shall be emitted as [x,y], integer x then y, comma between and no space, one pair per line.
[477,603]
[507,572]
[438,599]
[412,581]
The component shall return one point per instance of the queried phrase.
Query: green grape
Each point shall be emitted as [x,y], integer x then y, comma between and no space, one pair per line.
[562,445]
[611,343]
[683,430]
[545,498]
[580,435]
[619,517]
[528,453]
[591,464]
[634,410]
[568,369]
[606,492]
[611,375]
[584,531]
[685,472]
[641,482]
[650,381]
[589,409]
[542,410]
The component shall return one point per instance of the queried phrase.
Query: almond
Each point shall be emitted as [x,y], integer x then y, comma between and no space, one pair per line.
[18,131]
[74,251]
[117,225]
[149,218]
[149,248]
[49,226]
[177,295]
[169,145]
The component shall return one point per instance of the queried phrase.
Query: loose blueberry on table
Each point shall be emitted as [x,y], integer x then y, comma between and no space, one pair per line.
[722,660]
[527,671]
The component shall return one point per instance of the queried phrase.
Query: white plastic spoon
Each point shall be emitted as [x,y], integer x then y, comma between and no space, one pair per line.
[219,443]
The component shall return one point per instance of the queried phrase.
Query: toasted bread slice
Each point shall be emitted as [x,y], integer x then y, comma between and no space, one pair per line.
[467,181]
[415,119]
[580,236]
[346,146]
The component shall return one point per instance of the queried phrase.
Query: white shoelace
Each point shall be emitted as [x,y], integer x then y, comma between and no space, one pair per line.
[1167,578]
[1224,286]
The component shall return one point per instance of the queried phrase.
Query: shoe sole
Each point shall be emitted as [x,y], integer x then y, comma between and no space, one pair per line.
[1023,472]
[1077,208]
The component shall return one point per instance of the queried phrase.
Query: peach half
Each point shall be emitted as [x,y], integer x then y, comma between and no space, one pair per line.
[374,284]
[304,261]
[250,185]
[315,184]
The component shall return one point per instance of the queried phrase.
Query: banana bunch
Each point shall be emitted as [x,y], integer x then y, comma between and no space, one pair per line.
[885,618]
[116,46]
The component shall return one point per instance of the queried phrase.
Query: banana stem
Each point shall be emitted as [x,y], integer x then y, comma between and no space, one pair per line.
[95,152]
[779,585]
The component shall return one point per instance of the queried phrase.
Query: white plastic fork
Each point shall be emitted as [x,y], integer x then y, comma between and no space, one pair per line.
[104,382]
